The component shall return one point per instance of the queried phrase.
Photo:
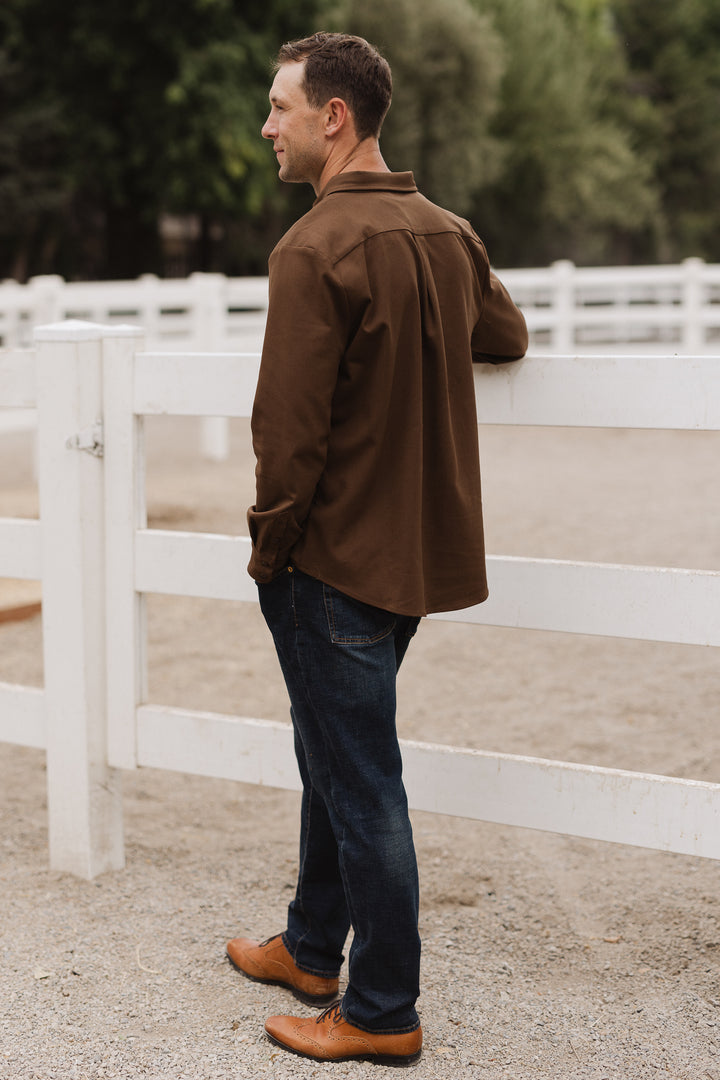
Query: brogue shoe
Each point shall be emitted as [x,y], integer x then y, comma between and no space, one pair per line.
[270,962]
[330,1037]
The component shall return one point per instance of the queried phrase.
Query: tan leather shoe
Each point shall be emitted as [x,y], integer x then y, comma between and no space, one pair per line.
[270,962]
[329,1037]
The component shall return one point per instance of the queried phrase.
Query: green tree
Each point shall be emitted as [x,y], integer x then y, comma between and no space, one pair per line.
[155,107]
[32,191]
[447,62]
[574,177]
[673,51]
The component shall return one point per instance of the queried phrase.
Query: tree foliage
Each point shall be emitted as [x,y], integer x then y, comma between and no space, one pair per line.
[447,61]
[34,188]
[574,176]
[563,128]
[673,51]
[157,106]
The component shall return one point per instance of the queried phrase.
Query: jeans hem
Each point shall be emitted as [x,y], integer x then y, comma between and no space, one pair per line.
[304,967]
[380,1031]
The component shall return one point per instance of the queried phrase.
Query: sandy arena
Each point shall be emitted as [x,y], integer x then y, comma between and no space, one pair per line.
[544,956]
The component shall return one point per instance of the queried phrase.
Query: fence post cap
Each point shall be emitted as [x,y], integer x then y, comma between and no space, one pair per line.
[78,330]
[45,279]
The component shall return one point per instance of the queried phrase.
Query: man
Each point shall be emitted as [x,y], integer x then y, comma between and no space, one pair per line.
[367,516]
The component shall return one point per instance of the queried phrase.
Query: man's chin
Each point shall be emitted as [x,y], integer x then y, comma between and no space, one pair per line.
[290,178]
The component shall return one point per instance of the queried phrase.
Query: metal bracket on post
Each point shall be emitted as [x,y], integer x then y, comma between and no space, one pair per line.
[89,439]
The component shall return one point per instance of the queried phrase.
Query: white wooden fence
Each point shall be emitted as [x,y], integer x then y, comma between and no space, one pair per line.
[97,559]
[650,309]
[207,311]
[663,309]
[203,310]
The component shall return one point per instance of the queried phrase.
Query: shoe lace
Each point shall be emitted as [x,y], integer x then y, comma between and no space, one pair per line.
[333,1012]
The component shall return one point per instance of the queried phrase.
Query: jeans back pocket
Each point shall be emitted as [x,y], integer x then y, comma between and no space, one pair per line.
[351,622]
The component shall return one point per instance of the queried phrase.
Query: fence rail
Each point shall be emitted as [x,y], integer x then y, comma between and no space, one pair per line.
[201,311]
[569,309]
[649,308]
[98,559]
[674,308]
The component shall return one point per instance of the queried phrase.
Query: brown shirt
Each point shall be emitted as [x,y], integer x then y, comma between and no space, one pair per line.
[364,423]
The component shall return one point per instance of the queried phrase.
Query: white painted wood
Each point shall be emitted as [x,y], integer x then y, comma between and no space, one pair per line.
[602,391]
[17,379]
[199,378]
[73,330]
[209,331]
[564,304]
[195,384]
[569,391]
[643,810]
[46,298]
[20,548]
[579,800]
[17,420]
[247,294]
[246,302]
[125,511]
[93,517]
[193,564]
[215,438]
[646,603]
[211,744]
[210,310]
[84,805]
[22,716]
[567,307]
[693,304]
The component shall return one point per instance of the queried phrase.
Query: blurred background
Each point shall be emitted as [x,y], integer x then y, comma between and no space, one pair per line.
[563,129]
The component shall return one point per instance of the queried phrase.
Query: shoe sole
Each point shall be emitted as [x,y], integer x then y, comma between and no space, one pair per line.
[313,1000]
[401,1061]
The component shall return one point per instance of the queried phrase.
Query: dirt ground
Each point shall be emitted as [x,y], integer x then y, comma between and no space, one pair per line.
[544,956]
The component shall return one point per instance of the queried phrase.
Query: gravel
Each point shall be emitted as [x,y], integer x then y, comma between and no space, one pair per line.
[544,956]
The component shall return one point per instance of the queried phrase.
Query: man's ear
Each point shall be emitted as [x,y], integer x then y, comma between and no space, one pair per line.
[337,115]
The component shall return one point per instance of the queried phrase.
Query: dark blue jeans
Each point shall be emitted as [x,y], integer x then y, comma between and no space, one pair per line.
[340,659]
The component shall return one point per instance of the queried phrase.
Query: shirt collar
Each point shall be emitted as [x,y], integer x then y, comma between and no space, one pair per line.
[401,183]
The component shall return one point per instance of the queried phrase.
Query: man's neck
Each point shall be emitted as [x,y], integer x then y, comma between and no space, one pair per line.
[362,157]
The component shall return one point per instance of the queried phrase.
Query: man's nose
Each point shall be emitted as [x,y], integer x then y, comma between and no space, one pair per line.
[268,129]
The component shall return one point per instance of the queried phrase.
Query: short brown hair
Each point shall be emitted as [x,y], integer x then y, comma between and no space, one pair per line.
[348,67]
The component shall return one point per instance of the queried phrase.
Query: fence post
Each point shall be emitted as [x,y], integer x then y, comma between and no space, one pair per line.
[125,512]
[563,279]
[149,292]
[46,293]
[84,802]
[693,333]
[13,297]
[210,325]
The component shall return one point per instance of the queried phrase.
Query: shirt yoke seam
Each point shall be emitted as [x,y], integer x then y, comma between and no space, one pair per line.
[334,260]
